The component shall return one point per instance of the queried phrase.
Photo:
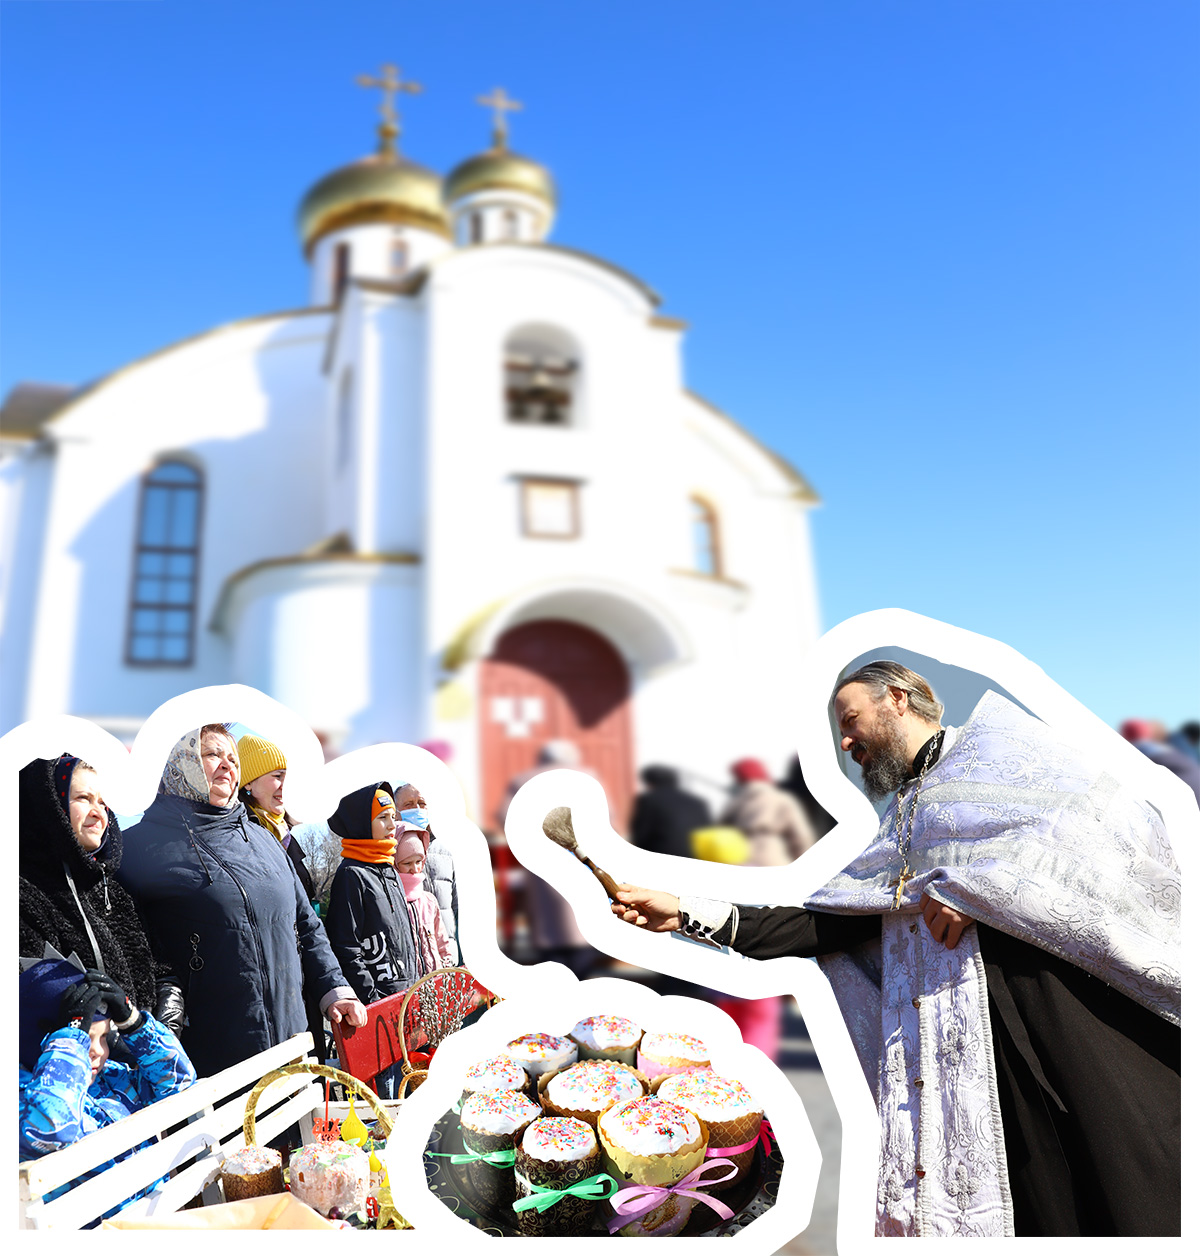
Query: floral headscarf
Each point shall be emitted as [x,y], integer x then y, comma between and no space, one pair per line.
[184,775]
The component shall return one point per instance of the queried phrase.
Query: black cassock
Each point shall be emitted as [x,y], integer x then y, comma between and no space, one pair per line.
[1088,1079]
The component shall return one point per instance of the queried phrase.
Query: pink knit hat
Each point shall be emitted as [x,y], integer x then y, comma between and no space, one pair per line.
[412,842]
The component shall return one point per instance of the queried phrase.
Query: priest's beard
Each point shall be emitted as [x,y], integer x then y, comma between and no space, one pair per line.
[890,764]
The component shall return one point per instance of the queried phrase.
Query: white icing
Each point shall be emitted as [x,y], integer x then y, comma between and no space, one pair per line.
[540,1053]
[606,1033]
[539,1047]
[593,1086]
[330,1175]
[247,1160]
[649,1126]
[674,1047]
[709,1096]
[501,1072]
[498,1111]
[559,1138]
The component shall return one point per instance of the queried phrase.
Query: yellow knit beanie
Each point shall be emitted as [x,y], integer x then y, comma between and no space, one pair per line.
[257,757]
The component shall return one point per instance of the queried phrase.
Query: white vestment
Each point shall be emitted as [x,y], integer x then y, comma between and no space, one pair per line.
[1017,830]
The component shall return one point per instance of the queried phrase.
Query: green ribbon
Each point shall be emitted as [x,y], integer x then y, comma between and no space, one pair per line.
[544,1197]
[505,1158]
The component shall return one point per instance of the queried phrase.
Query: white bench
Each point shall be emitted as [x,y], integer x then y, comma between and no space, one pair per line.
[194,1153]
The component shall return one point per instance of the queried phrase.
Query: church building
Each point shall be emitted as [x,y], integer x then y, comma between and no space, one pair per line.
[463,494]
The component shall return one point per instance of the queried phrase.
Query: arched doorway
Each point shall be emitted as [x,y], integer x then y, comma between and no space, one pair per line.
[547,680]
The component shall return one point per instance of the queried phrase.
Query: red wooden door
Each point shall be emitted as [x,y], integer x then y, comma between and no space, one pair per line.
[554,679]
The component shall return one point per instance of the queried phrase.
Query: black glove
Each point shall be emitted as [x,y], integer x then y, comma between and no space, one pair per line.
[81,1004]
[117,1004]
[168,1004]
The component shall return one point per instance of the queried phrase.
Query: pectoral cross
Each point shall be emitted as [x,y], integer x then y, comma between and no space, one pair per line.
[500,104]
[900,882]
[390,83]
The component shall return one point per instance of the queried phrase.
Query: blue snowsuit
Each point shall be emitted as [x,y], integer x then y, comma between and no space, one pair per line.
[60,1103]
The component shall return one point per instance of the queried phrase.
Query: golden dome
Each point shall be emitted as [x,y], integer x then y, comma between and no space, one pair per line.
[500,168]
[381,188]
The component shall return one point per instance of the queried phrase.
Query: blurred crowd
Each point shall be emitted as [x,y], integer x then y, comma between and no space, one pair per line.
[1178,752]
[760,822]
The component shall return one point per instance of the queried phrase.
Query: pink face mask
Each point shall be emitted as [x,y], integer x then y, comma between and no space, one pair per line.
[413,882]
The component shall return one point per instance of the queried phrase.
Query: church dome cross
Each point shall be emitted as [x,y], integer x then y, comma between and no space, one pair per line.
[391,83]
[500,103]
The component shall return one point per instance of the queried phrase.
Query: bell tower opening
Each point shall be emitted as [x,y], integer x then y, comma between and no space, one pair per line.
[541,377]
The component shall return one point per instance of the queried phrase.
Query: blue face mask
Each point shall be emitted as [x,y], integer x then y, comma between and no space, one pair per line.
[414,815]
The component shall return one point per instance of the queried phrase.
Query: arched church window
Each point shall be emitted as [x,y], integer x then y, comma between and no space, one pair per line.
[399,256]
[510,225]
[341,270]
[344,427]
[541,377]
[706,548]
[162,613]
[476,227]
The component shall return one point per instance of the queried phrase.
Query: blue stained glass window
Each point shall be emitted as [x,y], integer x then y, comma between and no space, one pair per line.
[162,614]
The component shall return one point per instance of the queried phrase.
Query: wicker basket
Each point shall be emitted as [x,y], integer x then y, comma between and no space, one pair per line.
[408,1066]
[384,1122]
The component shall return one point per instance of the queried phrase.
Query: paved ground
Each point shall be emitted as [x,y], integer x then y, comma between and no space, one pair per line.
[799,1063]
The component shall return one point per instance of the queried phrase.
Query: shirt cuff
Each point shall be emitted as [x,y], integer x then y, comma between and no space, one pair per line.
[703,918]
[338,992]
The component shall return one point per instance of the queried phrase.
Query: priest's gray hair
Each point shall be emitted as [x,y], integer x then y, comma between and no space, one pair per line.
[883,674]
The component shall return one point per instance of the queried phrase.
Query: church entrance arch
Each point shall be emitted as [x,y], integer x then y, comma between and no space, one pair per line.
[547,680]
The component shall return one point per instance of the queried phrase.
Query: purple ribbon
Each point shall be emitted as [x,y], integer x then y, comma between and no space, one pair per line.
[631,1203]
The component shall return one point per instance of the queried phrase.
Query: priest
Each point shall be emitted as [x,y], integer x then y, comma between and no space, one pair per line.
[1006,956]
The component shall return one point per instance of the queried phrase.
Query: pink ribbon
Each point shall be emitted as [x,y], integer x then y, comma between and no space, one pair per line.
[633,1202]
[764,1135]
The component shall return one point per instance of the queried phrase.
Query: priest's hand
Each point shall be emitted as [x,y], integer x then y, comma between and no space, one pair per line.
[655,910]
[350,1010]
[944,922]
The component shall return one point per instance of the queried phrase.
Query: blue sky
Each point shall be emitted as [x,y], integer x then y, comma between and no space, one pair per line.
[943,256]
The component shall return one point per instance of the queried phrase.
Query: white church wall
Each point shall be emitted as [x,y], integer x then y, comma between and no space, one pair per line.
[338,641]
[394,344]
[25,483]
[341,379]
[206,401]
[749,628]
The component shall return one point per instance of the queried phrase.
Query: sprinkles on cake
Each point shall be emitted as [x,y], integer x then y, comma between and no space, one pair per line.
[675,1047]
[709,1095]
[498,1111]
[606,1032]
[559,1138]
[594,1084]
[539,1046]
[501,1072]
[650,1125]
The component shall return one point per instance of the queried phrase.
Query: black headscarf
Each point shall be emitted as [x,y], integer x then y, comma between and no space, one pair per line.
[69,897]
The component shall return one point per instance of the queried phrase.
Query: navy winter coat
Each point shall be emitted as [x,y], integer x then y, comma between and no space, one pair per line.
[223,907]
[371,931]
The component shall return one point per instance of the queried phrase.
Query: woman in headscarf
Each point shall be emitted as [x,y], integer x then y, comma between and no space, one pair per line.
[223,908]
[70,849]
